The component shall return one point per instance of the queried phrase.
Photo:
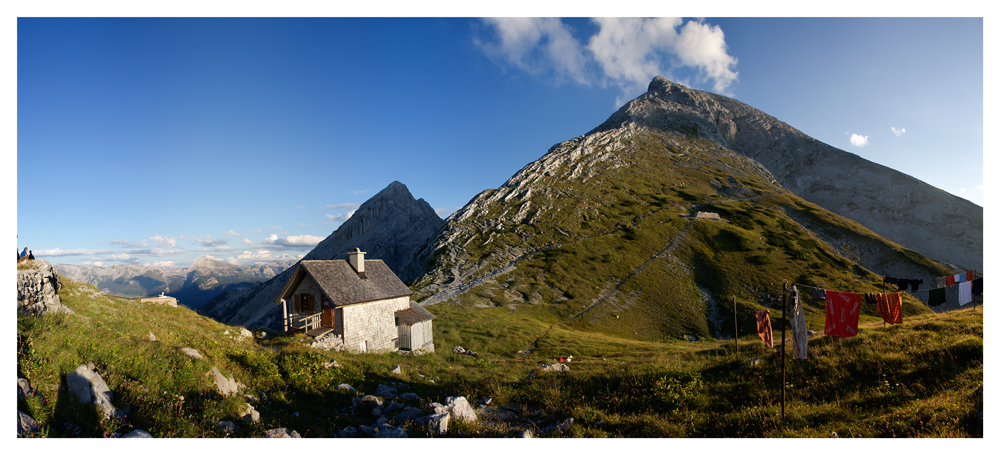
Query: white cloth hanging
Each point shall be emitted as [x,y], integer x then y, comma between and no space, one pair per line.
[964,292]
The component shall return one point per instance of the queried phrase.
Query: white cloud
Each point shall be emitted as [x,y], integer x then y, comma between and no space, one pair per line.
[858,140]
[62,252]
[897,131]
[346,206]
[275,228]
[259,254]
[209,242]
[625,52]
[232,260]
[164,241]
[340,217]
[97,263]
[159,264]
[247,241]
[292,241]
[357,192]
[232,233]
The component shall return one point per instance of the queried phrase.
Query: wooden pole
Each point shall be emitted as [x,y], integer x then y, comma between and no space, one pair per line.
[876,301]
[736,328]
[970,286]
[784,304]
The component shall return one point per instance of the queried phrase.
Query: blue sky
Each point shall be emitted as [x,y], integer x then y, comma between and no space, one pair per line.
[156,141]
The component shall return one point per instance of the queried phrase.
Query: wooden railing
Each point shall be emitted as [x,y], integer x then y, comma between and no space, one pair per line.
[311,322]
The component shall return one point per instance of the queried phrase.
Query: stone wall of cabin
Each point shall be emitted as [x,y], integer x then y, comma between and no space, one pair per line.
[374,323]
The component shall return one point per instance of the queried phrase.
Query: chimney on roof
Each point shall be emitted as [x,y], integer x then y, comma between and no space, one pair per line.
[357,260]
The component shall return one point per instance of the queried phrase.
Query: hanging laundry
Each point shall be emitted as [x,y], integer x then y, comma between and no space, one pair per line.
[842,311]
[941,282]
[936,297]
[819,294]
[949,280]
[960,277]
[890,306]
[890,280]
[977,286]
[970,275]
[764,327]
[964,292]
[870,299]
[800,336]
[902,283]
[915,284]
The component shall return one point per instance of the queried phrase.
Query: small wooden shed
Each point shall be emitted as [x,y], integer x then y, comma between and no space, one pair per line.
[414,328]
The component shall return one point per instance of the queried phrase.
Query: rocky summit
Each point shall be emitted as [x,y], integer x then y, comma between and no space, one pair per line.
[894,205]
[389,226]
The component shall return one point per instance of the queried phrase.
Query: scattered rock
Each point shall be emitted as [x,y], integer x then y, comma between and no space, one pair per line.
[366,429]
[391,432]
[486,401]
[459,408]
[348,432]
[690,338]
[555,367]
[410,396]
[226,332]
[393,407]
[385,391]
[811,333]
[461,350]
[89,387]
[330,341]
[409,413]
[192,353]
[754,361]
[26,425]
[225,426]
[437,424]
[137,434]
[332,364]
[346,388]
[152,337]
[281,433]
[397,370]
[248,334]
[227,386]
[24,389]
[250,414]
[526,433]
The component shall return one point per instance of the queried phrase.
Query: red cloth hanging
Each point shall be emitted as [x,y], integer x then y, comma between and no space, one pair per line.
[949,280]
[842,311]
[764,327]
[890,306]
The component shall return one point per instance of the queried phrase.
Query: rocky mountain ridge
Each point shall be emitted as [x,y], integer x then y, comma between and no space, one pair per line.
[897,206]
[389,226]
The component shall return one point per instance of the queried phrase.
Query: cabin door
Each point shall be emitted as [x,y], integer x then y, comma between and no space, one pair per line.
[326,320]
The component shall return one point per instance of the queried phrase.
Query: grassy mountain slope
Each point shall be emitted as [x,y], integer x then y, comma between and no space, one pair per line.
[600,235]
[914,380]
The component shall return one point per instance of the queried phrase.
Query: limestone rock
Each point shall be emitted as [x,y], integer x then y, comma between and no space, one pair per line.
[397,370]
[346,388]
[385,391]
[410,396]
[250,414]
[26,425]
[90,388]
[245,333]
[408,413]
[152,337]
[37,290]
[226,386]
[391,432]
[560,367]
[24,389]
[460,408]
[225,426]
[281,433]
[526,433]
[138,434]
[437,424]
[192,353]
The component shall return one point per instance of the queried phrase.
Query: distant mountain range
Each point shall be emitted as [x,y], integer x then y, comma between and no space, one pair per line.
[192,286]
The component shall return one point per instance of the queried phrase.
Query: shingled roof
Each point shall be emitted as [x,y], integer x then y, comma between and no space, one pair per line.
[338,280]
[414,314]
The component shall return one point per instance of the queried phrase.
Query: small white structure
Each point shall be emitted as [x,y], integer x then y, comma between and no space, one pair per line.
[360,300]
[160,299]
[708,216]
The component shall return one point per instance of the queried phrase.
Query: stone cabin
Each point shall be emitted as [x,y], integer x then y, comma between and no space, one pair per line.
[360,300]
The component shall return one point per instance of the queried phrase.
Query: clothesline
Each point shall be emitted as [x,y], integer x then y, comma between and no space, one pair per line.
[911,292]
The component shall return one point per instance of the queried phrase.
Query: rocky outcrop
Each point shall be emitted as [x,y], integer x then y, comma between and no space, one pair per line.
[912,213]
[37,289]
[390,226]
[89,388]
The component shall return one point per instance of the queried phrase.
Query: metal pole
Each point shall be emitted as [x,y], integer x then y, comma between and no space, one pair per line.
[736,327]
[784,304]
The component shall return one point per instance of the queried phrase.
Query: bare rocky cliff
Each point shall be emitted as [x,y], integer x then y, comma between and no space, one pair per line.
[390,226]
[894,205]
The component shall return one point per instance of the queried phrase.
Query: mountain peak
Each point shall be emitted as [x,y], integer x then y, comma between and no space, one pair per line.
[662,84]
